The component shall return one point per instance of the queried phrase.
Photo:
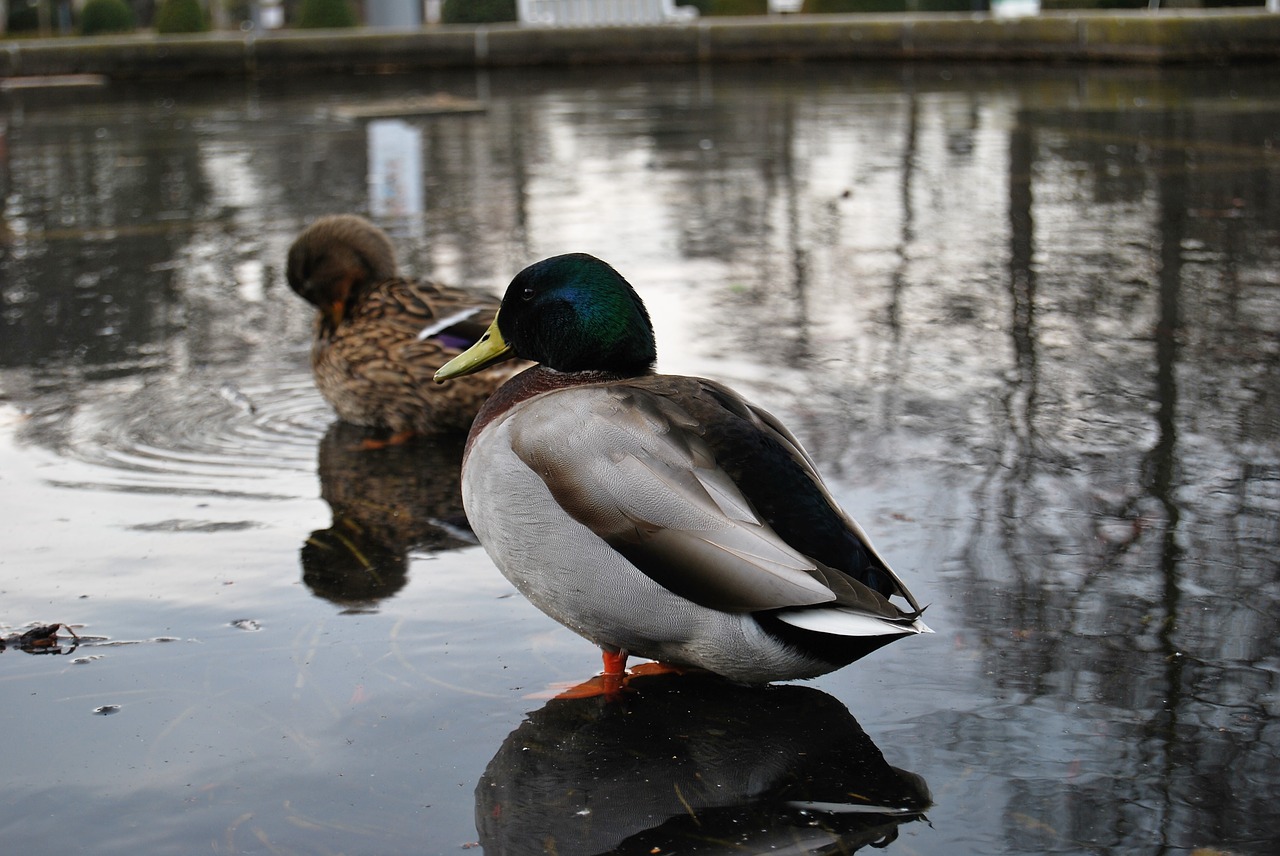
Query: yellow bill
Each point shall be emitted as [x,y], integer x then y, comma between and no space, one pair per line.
[489,350]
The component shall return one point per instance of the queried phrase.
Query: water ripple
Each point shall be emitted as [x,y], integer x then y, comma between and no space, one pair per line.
[182,434]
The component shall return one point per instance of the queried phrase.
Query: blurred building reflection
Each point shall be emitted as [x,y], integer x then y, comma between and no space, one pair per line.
[395,170]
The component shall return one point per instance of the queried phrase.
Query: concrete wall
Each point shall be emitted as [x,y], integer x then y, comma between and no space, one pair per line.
[1145,37]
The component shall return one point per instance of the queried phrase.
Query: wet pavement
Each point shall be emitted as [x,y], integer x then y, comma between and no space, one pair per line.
[1027,321]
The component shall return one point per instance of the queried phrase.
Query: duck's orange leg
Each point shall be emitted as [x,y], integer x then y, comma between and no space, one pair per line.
[608,684]
[615,664]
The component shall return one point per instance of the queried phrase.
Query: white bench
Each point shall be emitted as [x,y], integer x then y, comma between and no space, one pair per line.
[601,13]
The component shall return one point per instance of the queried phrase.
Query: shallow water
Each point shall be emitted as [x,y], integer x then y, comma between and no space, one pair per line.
[1027,322]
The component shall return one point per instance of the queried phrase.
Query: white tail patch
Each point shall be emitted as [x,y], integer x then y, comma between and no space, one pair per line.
[846,622]
[445,323]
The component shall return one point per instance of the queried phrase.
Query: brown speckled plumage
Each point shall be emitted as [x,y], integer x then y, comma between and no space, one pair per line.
[369,361]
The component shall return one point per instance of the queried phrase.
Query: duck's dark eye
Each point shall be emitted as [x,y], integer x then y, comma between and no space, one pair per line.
[527,293]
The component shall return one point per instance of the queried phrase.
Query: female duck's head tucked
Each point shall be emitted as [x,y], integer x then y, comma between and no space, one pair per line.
[378,337]
[571,313]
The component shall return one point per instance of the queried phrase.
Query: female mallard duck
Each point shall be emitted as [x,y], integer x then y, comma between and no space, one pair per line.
[379,337]
[659,515]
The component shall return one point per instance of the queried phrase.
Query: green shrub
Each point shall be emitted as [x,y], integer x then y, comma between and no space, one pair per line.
[325,14]
[24,17]
[180,16]
[105,16]
[477,11]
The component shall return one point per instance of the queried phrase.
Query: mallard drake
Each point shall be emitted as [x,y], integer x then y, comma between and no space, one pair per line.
[380,337]
[659,515]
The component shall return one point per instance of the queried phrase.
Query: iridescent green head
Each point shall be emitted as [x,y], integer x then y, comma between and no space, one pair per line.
[570,313]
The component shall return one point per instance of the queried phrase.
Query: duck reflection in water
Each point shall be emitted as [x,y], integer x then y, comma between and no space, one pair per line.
[405,497]
[693,764]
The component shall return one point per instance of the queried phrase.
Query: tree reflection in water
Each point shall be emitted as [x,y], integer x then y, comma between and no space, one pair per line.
[1134,582]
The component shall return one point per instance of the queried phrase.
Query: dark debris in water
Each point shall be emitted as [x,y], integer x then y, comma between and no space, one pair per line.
[44,639]
[429,105]
[41,639]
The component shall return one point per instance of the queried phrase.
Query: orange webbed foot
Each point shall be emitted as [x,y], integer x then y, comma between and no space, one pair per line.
[650,669]
[606,686]
[400,438]
[616,677]
[609,684]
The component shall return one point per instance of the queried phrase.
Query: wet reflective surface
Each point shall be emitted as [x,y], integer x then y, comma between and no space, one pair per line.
[688,764]
[1027,322]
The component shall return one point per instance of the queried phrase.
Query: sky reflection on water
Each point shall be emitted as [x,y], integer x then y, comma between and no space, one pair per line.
[1028,323]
